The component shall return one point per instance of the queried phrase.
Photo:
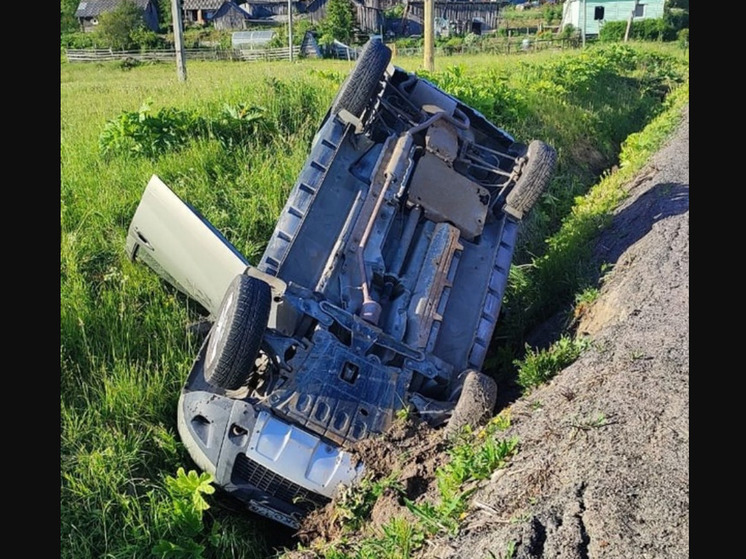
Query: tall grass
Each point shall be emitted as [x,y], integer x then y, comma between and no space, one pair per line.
[124,345]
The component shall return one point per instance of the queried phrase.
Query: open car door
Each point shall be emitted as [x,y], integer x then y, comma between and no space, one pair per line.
[182,247]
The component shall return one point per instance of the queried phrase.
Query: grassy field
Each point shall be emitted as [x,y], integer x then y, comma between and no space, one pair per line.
[124,346]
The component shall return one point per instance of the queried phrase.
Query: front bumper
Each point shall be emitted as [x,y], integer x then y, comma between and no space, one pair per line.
[276,469]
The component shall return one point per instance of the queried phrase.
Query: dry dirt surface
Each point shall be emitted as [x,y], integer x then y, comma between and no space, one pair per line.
[602,468]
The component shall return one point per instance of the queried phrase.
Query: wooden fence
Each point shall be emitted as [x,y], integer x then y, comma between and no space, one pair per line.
[169,55]
[512,46]
[267,54]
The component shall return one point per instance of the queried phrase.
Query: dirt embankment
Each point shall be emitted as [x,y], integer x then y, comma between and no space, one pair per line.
[602,469]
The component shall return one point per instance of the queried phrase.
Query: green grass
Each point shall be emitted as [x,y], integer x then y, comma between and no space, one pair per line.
[540,366]
[564,278]
[124,346]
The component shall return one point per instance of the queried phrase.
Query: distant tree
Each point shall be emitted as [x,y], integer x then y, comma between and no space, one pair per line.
[676,14]
[394,12]
[339,22]
[147,39]
[682,4]
[280,38]
[68,21]
[164,14]
[119,27]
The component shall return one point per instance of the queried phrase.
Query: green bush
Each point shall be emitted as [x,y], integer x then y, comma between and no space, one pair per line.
[142,132]
[290,109]
[642,30]
[677,18]
[79,40]
[409,42]
[280,38]
[186,530]
[195,37]
[128,62]
[116,27]
[147,39]
[545,34]
[569,31]
[450,45]
[68,21]
[165,20]
[394,12]
[338,23]
[119,33]
[453,42]
[540,366]
[552,13]
[653,30]
[683,38]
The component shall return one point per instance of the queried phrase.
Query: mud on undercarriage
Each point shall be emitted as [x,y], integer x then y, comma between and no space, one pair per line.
[379,290]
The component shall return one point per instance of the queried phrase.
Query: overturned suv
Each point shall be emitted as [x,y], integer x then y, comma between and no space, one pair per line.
[379,289]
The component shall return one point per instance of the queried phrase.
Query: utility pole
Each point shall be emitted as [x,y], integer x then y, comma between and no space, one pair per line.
[582,31]
[429,35]
[629,22]
[178,41]
[629,26]
[290,28]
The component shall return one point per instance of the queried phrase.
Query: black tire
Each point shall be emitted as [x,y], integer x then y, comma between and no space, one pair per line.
[237,333]
[360,84]
[534,178]
[475,403]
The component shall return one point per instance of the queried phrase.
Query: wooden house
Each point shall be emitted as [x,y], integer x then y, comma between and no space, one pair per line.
[231,16]
[592,14]
[462,17]
[89,11]
[200,11]
[272,9]
[368,13]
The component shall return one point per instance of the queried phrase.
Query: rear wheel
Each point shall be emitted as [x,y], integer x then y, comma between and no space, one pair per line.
[475,403]
[360,84]
[237,333]
[541,160]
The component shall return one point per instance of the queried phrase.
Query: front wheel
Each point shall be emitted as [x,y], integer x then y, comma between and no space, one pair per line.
[237,333]
[537,171]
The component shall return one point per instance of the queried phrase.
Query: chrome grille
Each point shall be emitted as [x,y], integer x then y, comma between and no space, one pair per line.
[246,471]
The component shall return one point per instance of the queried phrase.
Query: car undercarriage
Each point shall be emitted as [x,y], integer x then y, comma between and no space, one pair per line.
[379,289]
